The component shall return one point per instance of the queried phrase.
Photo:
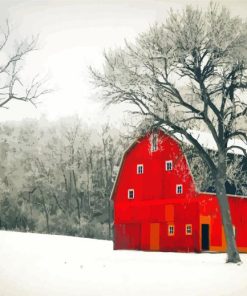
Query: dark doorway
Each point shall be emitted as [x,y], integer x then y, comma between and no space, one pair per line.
[205,237]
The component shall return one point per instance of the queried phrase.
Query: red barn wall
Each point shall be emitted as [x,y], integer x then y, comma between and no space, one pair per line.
[209,210]
[151,220]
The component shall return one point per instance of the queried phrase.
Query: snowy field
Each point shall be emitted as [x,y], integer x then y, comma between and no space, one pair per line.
[35,265]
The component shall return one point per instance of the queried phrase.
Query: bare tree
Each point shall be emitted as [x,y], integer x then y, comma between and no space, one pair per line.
[109,158]
[12,59]
[188,73]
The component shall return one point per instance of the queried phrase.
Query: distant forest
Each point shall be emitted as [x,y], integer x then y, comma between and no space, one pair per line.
[56,177]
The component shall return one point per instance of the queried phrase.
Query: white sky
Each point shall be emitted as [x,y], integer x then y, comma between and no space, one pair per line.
[73,35]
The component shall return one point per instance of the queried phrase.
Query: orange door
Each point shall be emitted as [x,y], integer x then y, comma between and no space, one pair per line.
[154,236]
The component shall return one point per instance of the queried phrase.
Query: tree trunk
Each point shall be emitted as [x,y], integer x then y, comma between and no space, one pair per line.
[232,252]
[78,210]
[75,194]
[46,218]
[109,219]
[46,212]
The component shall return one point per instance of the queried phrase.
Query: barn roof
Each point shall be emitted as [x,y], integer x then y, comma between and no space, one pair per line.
[207,141]
[121,163]
[232,186]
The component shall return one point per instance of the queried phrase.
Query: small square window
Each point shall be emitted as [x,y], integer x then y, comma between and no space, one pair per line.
[140,169]
[188,229]
[179,189]
[131,194]
[168,165]
[171,230]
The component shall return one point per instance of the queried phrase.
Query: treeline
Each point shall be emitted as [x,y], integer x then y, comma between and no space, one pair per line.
[56,177]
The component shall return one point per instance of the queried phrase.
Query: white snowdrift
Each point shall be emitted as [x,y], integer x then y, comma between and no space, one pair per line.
[35,265]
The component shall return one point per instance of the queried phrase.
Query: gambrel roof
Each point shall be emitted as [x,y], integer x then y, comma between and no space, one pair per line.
[206,140]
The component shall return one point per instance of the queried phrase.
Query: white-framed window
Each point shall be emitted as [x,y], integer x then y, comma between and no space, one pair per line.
[140,169]
[179,189]
[171,230]
[188,229]
[154,142]
[169,165]
[131,193]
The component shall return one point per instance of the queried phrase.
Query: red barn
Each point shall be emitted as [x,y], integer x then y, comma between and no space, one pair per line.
[157,206]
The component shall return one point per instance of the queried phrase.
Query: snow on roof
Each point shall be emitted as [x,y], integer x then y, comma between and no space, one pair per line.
[207,141]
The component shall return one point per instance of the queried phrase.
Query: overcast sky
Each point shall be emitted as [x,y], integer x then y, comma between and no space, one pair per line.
[72,36]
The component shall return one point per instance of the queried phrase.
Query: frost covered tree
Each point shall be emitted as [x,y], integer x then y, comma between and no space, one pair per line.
[56,177]
[12,56]
[13,88]
[184,74]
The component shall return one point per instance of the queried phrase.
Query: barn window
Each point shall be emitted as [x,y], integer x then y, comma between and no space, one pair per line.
[188,229]
[179,189]
[168,165]
[154,142]
[131,194]
[171,230]
[140,169]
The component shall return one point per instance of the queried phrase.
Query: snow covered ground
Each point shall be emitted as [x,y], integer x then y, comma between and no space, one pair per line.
[35,265]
